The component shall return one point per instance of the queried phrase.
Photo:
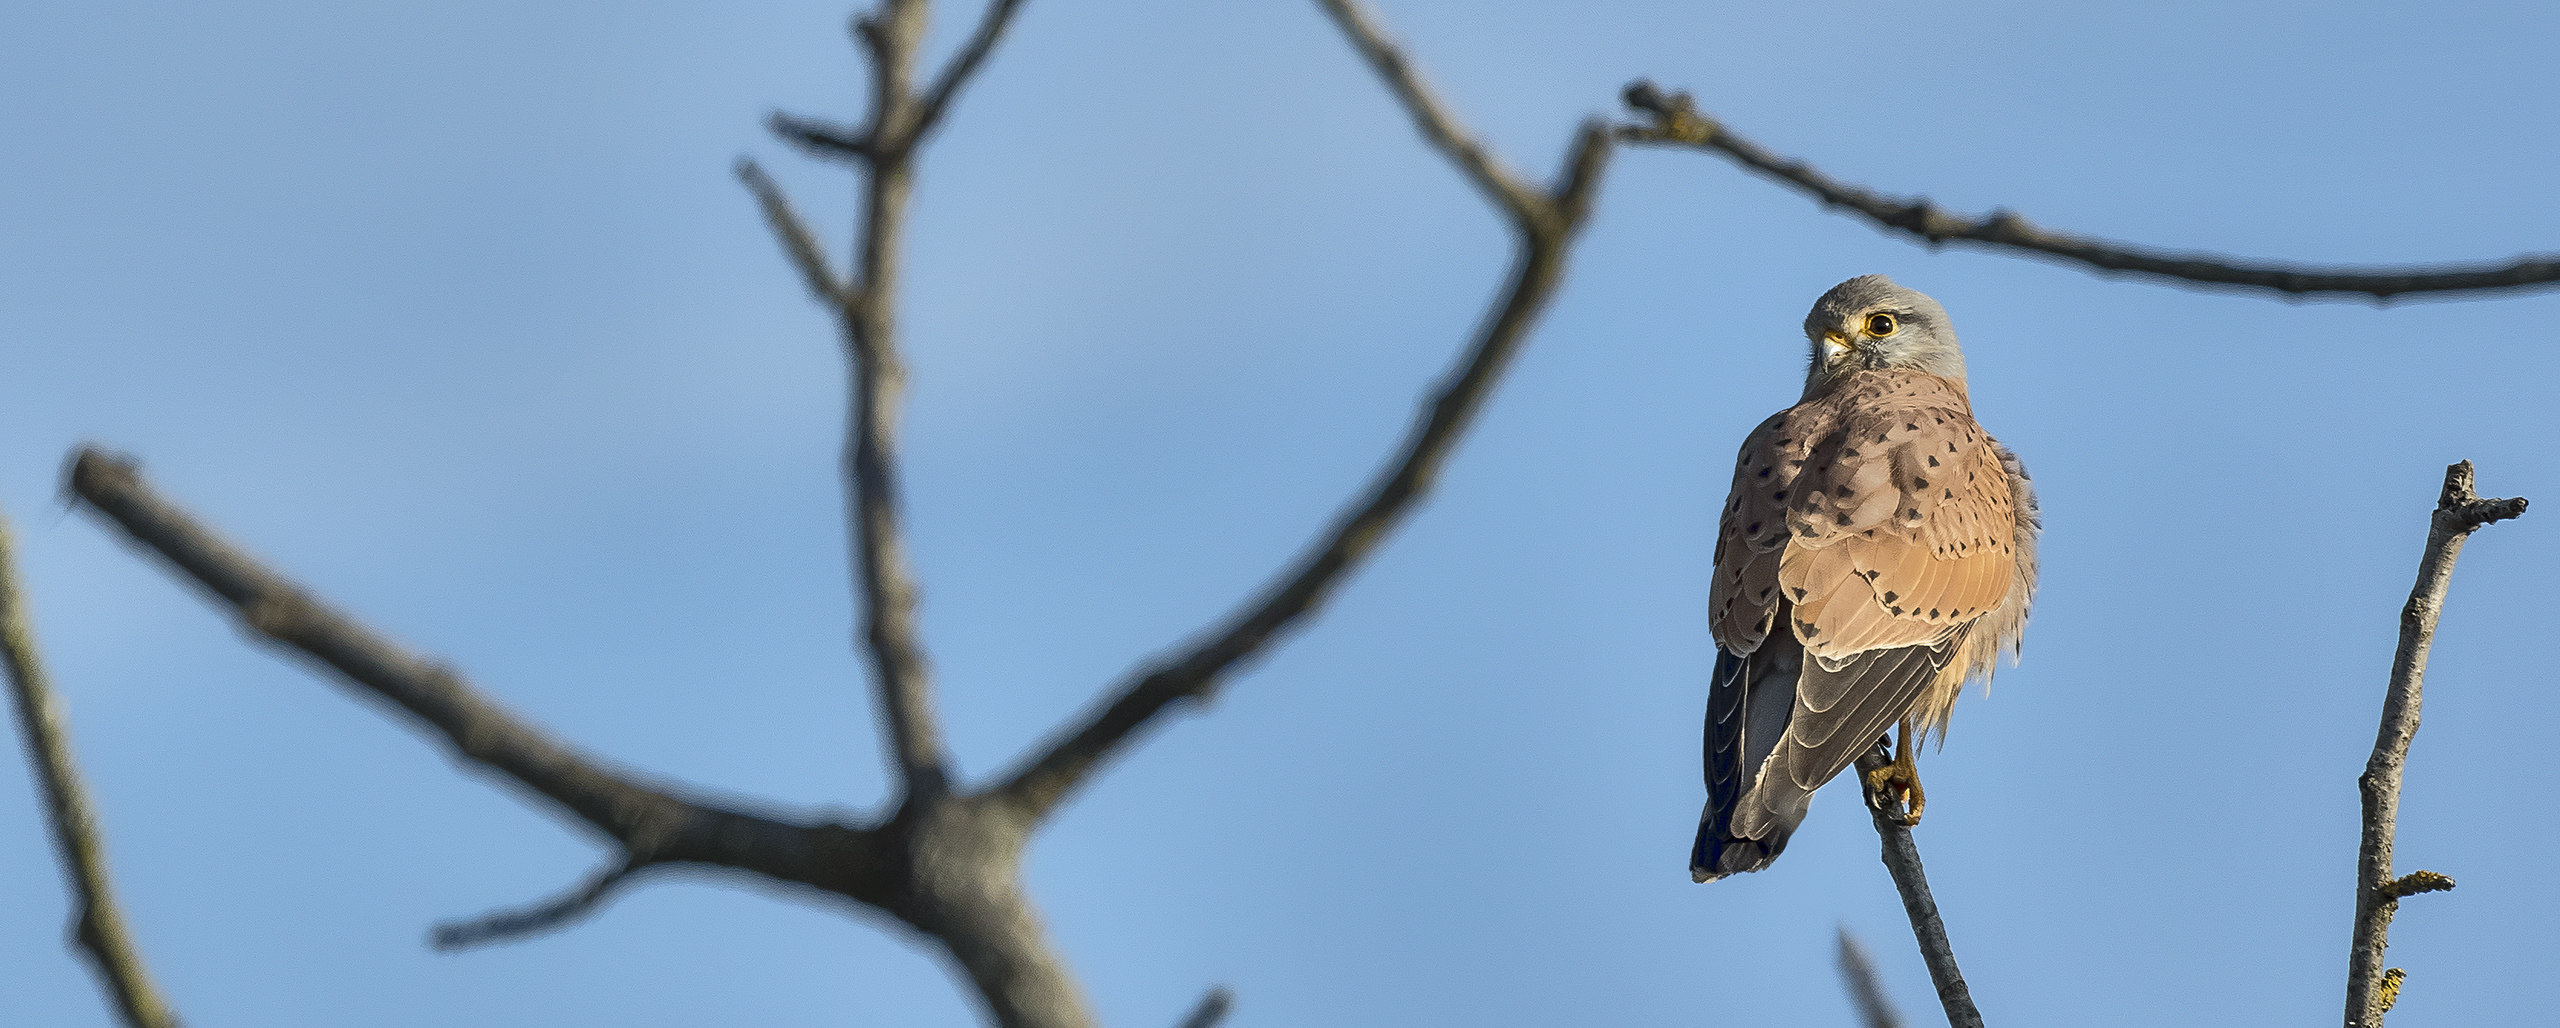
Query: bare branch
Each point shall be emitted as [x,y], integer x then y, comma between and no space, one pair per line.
[1525,202]
[1902,859]
[97,924]
[874,509]
[642,817]
[794,233]
[964,66]
[1212,1009]
[1675,120]
[1547,222]
[821,138]
[2458,513]
[547,916]
[1858,975]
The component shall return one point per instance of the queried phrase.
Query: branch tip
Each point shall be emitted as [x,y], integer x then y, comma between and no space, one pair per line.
[1211,1009]
[2416,882]
[1866,992]
[547,916]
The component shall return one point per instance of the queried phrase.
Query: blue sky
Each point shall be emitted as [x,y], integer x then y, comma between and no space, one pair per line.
[455,313]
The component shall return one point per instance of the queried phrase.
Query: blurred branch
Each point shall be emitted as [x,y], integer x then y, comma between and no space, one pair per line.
[793,232]
[1674,120]
[97,924]
[822,138]
[2459,512]
[1211,1010]
[550,915]
[1858,975]
[883,153]
[965,64]
[1546,221]
[1902,859]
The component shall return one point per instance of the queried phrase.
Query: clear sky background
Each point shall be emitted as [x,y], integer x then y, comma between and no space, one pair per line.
[454,312]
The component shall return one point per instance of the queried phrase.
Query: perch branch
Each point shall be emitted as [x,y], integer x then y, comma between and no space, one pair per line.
[1547,221]
[97,924]
[1902,859]
[640,816]
[549,915]
[1674,120]
[2458,513]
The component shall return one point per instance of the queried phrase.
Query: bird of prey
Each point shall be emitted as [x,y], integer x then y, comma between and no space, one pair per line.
[1878,551]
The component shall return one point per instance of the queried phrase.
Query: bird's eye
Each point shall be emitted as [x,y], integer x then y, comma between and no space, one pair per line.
[1880,324]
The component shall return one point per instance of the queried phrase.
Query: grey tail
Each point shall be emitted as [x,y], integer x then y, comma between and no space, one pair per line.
[1779,726]
[1748,707]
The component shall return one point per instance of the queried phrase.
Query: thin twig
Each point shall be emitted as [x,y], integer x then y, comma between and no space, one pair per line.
[793,232]
[821,138]
[1675,120]
[1858,975]
[97,924]
[1431,116]
[874,510]
[1211,1010]
[2458,513]
[1902,859]
[1547,221]
[547,916]
[639,815]
[964,65]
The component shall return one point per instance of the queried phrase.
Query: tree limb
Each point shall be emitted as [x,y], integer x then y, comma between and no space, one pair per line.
[1675,120]
[2458,513]
[1858,975]
[640,816]
[97,923]
[1902,859]
[549,915]
[1547,221]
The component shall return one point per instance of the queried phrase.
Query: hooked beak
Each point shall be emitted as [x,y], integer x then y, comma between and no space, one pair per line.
[1834,347]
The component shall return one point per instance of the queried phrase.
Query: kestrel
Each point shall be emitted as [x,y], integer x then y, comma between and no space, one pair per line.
[1878,551]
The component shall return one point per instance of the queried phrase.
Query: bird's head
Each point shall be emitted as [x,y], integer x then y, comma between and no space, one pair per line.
[1868,323]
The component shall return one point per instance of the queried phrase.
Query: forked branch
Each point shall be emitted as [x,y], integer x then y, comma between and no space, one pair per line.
[1674,120]
[97,923]
[1546,220]
[642,817]
[2371,988]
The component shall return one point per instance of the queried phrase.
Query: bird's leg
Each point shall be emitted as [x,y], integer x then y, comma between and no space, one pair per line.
[1894,788]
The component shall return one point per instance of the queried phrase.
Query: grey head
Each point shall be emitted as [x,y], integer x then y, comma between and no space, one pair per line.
[1868,323]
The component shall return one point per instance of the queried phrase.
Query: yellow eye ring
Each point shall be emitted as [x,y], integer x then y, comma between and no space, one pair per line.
[1881,324]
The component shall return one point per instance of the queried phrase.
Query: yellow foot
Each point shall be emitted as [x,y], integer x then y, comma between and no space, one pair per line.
[1894,789]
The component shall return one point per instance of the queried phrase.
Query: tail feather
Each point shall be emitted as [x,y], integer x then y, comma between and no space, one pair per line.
[1749,705]
[1765,756]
